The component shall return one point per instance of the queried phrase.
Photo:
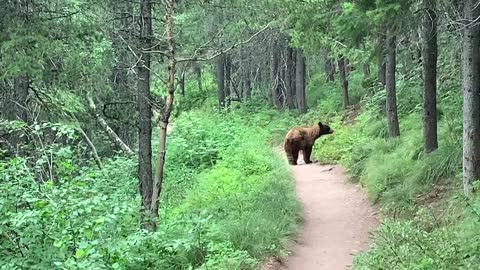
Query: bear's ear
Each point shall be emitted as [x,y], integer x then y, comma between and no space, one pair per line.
[320,124]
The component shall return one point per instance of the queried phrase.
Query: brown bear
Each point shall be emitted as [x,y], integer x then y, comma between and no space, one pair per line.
[303,138]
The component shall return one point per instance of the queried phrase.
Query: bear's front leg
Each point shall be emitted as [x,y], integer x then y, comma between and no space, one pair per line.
[306,154]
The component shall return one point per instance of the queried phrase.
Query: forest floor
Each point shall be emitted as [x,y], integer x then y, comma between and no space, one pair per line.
[337,220]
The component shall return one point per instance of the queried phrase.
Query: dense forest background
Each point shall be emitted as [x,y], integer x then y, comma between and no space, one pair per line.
[144,134]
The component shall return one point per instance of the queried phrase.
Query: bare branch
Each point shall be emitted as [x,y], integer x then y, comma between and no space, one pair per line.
[92,147]
[128,46]
[197,50]
[196,58]
[111,134]
[156,52]
[140,58]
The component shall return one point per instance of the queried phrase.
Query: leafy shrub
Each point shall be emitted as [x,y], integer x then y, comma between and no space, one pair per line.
[72,225]
[220,169]
[412,245]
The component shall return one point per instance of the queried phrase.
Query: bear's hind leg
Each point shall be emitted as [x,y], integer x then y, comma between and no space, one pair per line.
[293,159]
[290,156]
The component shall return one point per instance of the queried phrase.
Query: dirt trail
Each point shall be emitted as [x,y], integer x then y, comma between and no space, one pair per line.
[338,218]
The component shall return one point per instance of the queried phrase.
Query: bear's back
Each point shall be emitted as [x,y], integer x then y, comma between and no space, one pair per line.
[303,134]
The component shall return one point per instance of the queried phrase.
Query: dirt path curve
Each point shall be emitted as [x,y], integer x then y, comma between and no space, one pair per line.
[338,218]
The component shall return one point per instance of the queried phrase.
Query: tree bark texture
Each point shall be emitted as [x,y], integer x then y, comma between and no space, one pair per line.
[220,72]
[228,79]
[247,83]
[293,82]
[471,96]
[21,85]
[391,102]
[342,68]
[289,78]
[329,69]
[182,84]
[122,81]
[429,36]
[7,95]
[198,71]
[274,73]
[348,67]
[282,92]
[145,113]
[300,82]
[15,108]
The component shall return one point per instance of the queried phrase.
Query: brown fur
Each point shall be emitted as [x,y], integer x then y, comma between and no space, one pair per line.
[303,138]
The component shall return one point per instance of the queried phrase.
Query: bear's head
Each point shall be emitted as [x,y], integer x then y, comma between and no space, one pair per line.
[324,129]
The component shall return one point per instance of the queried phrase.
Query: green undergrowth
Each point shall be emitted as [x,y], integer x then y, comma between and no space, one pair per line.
[428,224]
[444,236]
[227,202]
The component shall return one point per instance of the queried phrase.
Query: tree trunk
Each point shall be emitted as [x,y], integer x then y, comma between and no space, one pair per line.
[329,69]
[348,67]
[282,72]
[198,72]
[430,140]
[300,82]
[293,83]
[471,96]
[15,108]
[342,67]
[274,78]
[157,187]
[220,68]
[228,80]
[8,101]
[122,35]
[21,85]
[289,78]
[145,114]
[391,102]
[258,83]
[247,83]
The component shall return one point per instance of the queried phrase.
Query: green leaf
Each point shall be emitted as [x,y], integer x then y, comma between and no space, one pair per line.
[57,244]
[80,253]
[100,220]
